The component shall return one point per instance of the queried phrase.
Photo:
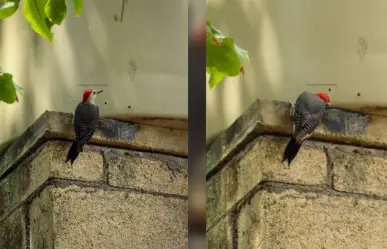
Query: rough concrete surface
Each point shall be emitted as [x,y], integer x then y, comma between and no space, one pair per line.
[42,230]
[360,171]
[261,161]
[111,197]
[48,162]
[95,218]
[233,136]
[341,197]
[147,171]
[290,219]
[220,236]
[273,117]
[109,133]
[13,230]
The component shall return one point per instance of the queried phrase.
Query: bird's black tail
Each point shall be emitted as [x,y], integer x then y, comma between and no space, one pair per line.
[291,150]
[73,153]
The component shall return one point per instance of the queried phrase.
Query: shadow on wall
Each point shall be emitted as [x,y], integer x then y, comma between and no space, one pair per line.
[251,20]
[17,113]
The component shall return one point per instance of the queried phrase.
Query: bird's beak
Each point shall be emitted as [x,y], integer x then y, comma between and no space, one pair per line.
[329,104]
[99,92]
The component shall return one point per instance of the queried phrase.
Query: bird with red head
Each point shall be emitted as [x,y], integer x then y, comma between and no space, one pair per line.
[306,114]
[85,122]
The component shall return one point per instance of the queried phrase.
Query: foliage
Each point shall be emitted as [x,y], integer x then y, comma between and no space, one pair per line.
[8,88]
[42,16]
[223,56]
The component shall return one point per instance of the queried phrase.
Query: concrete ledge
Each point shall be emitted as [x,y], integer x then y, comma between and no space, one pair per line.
[113,133]
[334,195]
[272,117]
[139,188]
[106,168]
[318,166]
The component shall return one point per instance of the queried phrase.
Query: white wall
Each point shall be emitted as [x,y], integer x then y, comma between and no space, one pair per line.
[95,51]
[340,45]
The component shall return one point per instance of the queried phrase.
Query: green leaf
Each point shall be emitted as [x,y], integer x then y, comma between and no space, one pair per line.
[223,56]
[48,23]
[7,90]
[8,8]
[243,55]
[215,76]
[34,12]
[77,7]
[55,11]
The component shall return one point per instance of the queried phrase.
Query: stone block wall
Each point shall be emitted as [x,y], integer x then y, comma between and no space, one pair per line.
[128,189]
[334,195]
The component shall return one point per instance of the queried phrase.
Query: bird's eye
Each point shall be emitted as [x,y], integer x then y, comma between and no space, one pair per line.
[93,92]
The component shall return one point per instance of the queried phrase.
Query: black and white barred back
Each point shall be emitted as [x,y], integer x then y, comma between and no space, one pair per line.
[308,112]
[86,120]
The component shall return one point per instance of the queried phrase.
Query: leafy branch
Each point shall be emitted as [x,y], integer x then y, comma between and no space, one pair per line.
[42,16]
[223,56]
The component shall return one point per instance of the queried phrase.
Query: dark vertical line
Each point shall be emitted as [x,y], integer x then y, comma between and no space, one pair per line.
[105,168]
[329,177]
[234,224]
[122,10]
[28,226]
[196,133]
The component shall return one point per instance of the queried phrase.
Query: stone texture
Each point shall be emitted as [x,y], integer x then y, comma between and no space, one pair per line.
[147,171]
[41,220]
[13,230]
[220,236]
[360,171]
[88,166]
[290,219]
[315,216]
[48,162]
[34,175]
[94,218]
[261,161]
[109,133]
[233,136]
[159,139]
[265,116]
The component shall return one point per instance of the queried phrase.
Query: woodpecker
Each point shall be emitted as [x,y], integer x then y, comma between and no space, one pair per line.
[306,115]
[85,122]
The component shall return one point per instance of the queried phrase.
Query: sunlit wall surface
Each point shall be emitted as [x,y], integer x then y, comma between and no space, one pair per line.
[135,50]
[319,45]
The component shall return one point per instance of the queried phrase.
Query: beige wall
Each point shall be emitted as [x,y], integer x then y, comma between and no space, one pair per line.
[95,49]
[294,44]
